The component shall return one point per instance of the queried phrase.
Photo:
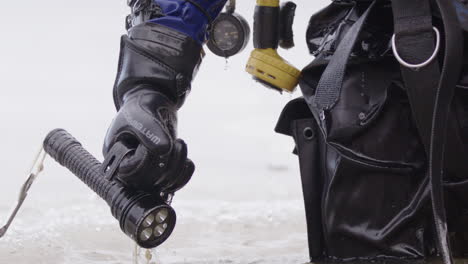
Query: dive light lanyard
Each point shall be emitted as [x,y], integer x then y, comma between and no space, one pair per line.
[36,168]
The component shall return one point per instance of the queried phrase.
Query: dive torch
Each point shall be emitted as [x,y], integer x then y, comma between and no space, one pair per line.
[144,217]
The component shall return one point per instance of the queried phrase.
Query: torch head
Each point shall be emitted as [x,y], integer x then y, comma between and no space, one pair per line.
[146,219]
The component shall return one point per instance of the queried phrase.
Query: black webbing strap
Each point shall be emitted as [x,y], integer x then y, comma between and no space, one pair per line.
[414,38]
[430,94]
[453,62]
[329,87]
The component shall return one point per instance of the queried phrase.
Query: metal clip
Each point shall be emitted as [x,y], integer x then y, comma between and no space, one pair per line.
[420,65]
[113,159]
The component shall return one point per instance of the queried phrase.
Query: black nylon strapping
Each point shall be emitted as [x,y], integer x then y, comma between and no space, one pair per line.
[430,94]
[330,84]
[415,46]
[449,78]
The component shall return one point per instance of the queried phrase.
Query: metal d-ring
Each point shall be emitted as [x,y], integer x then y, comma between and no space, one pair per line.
[420,65]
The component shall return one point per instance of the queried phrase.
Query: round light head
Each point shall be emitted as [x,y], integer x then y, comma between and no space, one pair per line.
[145,218]
[155,227]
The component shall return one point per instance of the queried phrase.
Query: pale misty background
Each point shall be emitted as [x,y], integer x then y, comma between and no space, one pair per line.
[57,67]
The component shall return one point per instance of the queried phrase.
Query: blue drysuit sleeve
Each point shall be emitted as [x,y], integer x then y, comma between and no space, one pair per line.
[190,17]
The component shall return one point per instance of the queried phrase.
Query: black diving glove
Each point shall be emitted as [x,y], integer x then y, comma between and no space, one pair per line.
[156,68]
[146,123]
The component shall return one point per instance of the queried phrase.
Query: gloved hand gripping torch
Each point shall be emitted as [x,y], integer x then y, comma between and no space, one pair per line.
[144,217]
[273,28]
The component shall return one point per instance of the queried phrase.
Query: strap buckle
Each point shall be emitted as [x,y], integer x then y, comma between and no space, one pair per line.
[112,162]
[420,65]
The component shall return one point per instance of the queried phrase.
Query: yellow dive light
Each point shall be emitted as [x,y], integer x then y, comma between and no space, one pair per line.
[265,64]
